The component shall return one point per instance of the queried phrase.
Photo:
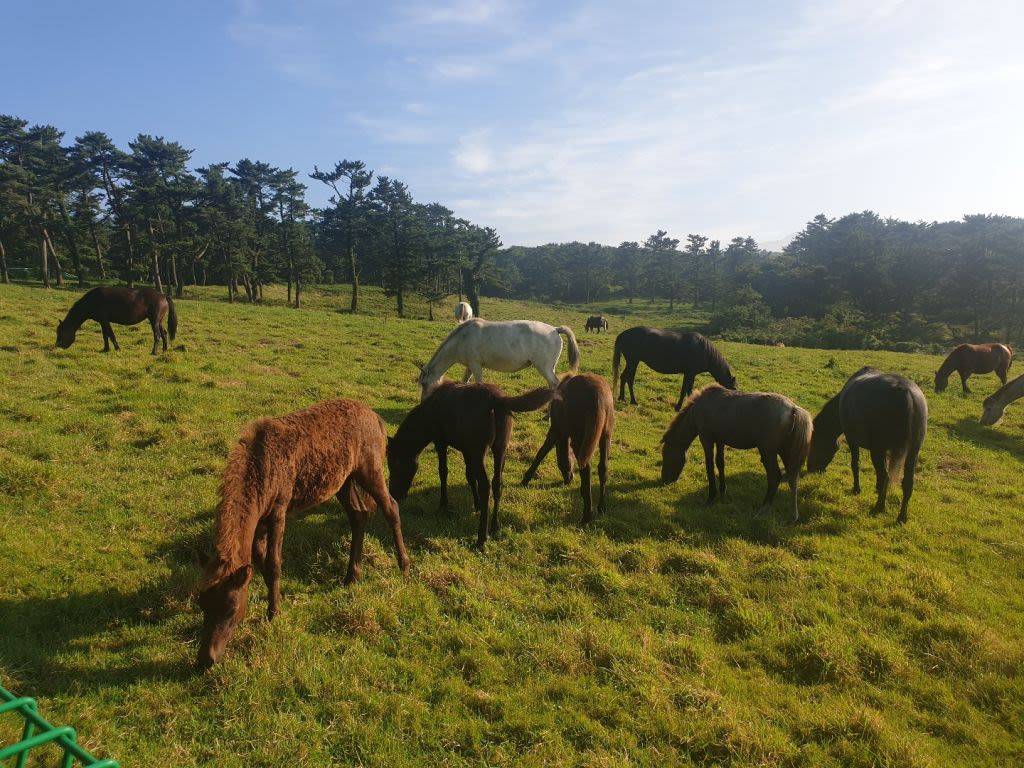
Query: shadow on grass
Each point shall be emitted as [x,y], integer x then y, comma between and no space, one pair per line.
[989,437]
[42,636]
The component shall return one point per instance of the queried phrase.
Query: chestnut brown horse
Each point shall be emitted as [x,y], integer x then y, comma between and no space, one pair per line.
[124,306]
[771,423]
[974,358]
[582,417]
[284,465]
[883,412]
[470,418]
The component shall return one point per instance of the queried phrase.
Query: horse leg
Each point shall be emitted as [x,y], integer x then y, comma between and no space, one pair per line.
[113,339]
[709,464]
[963,381]
[477,476]
[272,561]
[499,448]
[793,478]
[909,466]
[442,471]
[602,468]
[549,443]
[259,546]
[357,515]
[106,339]
[720,461]
[685,390]
[1001,372]
[881,479]
[371,480]
[855,465]
[466,375]
[771,467]
[630,374]
[163,336]
[585,492]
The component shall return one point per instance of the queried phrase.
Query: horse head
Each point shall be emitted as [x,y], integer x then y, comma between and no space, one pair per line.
[993,412]
[65,335]
[401,469]
[223,599]
[821,453]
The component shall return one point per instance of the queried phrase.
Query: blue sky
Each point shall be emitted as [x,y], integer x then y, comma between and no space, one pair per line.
[567,120]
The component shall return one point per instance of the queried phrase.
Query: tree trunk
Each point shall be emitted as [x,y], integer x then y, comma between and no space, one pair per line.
[5,277]
[298,289]
[42,254]
[130,254]
[173,268]
[471,292]
[400,298]
[69,236]
[57,266]
[99,250]
[354,306]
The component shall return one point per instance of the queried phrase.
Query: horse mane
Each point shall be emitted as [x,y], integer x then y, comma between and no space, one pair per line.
[241,482]
[717,365]
[693,398]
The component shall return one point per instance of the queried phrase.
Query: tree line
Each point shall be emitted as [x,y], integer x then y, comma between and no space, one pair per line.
[858,281]
[98,212]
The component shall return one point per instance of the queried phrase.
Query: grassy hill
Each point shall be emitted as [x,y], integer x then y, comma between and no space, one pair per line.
[667,633]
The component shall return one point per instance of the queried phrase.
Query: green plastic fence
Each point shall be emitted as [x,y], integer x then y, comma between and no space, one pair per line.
[38,732]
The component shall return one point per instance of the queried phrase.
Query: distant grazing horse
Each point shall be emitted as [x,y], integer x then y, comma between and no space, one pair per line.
[124,306]
[469,418]
[771,423]
[883,412]
[582,416]
[668,352]
[995,404]
[974,358]
[597,323]
[284,465]
[463,311]
[508,346]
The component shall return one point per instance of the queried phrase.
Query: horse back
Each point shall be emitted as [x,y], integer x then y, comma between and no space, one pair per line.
[311,453]
[663,351]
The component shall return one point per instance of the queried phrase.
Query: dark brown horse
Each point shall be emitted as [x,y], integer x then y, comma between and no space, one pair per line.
[974,358]
[285,465]
[124,306]
[582,416]
[597,323]
[771,423]
[469,418]
[883,412]
[668,352]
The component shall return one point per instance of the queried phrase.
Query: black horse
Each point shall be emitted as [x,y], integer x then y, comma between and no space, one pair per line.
[668,352]
[883,412]
[124,306]
[597,323]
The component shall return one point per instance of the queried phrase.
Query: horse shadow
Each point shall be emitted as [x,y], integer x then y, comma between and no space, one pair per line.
[992,437]
[45,638]
[632,518]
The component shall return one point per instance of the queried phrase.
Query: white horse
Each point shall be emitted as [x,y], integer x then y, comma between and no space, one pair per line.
[506,346]
[463,311]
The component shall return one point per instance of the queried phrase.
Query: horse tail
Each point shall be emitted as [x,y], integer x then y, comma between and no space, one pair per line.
[800,434]
[595,428]
[616,356]
[574,348]
[172,318]
[912,439]
[528,401]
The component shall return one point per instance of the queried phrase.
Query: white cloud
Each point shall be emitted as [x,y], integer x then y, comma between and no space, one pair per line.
[467,12]
[472,155]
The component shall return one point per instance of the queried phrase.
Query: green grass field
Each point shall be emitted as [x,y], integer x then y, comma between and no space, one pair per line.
[667,633]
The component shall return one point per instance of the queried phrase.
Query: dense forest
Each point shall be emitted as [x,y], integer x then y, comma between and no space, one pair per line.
[88,211]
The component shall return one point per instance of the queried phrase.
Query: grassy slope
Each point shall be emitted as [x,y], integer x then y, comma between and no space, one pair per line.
[666,633]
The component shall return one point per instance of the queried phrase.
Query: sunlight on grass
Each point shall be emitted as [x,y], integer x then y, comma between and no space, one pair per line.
[667,633]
